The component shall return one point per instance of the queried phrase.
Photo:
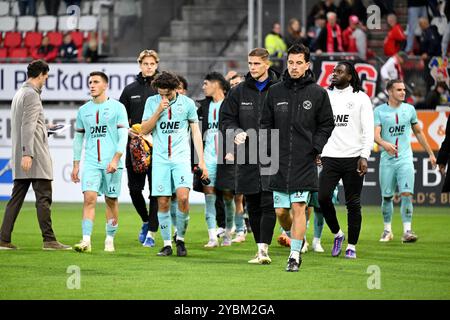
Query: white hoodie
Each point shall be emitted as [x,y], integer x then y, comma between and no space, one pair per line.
[353,134]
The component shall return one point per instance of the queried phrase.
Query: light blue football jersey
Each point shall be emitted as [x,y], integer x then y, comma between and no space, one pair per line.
[211,138]
[100,124]
[396,128]
[171,135]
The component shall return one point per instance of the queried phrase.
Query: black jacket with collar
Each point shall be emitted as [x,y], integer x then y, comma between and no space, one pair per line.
[301,111]
[240,112]
[133,97]
[444,156]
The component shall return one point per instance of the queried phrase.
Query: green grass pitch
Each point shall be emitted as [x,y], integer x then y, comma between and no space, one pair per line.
[406,271]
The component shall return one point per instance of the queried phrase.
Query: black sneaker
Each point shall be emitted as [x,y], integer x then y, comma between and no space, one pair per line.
[181,249]
[293,265]
[166,251]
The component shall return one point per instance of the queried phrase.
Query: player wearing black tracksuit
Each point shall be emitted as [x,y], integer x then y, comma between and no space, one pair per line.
[242,110]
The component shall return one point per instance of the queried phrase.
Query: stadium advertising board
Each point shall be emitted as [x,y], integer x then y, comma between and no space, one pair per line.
[67,81]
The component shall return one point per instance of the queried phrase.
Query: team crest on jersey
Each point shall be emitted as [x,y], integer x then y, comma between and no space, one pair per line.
[350,105]
[179,109]
[307,104]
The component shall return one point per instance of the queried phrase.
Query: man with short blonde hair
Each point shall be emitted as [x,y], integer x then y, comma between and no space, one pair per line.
[240,112]
[133,98]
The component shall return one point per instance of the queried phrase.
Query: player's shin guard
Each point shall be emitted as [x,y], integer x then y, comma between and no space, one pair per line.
[387,207]
[406,209]
[182,223]
[318,223]
[111,227]
[165,225]
[210,211]
[229,214]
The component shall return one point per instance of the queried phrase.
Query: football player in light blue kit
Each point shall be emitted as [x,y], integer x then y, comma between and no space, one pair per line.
[214,88]
[393,124]
[103,124]
[171,117]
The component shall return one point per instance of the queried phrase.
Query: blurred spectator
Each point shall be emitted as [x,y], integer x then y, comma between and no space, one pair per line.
[183,87]
[354,39]
[313,32]
[417,99]
[276,46]
[45,51]
[27,7]
[234,78]
[392,69]
[52,7]
[446,37]
[349,8]
[330,37]
[395,37]
[430,40]
[438,96]
[295,34]
[386,6]
[90,52]
[416,10]
[68,50]
[321,8]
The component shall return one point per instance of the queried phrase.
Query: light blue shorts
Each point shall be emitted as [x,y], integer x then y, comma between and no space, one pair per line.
[168,177]
[396,174]
[98,180]
[285,200]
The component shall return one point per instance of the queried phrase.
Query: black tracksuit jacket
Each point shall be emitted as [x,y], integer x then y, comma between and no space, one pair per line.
[241,111]
[302,112]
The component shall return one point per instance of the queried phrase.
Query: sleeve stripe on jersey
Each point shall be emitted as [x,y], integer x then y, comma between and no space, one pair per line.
[80,130]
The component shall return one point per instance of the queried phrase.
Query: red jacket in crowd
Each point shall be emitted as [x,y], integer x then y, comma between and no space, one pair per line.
[348,41]
[393,40]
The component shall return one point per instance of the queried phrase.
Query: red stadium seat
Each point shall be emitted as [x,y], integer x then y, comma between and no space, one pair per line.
[18,53]
[55,38]
[33,39]
[12,39]
[3,53]
[77,38]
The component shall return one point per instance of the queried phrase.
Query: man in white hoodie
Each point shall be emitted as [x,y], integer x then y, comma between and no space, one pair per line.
[345,154]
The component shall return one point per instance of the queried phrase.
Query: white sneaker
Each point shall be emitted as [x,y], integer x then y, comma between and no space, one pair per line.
[212,244]
[386,236]
[240,237]
[264,258]
[305,247]
[83,246]
[255,260]
[109,245]
[317,247]
[220,233]
[226,241]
